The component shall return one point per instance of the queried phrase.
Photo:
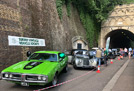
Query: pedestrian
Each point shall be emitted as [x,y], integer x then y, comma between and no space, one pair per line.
[130,52]
[133,53]
[125,50]
[121,53]
[105,56]
[99,55]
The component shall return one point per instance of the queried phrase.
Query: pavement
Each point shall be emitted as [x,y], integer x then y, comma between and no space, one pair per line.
[126,79]
[123,80]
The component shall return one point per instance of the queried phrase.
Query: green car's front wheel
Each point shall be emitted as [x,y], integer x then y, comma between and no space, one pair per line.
[55,80]
[65,69]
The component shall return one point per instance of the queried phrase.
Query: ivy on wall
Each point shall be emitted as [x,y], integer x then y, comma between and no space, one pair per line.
[60,3]
[92,13]
[88,25]
[68,5]
[59,8]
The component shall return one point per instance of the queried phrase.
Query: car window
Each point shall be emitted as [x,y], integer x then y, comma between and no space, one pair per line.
[44,56]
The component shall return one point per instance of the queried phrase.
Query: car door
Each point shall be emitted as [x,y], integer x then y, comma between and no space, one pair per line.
[62,63]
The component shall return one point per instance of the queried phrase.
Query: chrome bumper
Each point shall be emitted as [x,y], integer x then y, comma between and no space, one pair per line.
[19,77]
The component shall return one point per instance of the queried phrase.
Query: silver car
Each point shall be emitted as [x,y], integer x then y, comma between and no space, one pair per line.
[87,60]
[71,54]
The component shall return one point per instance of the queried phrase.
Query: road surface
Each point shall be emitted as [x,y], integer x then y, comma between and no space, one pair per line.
[91,81]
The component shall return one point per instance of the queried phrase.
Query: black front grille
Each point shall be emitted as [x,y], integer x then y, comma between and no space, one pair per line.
[86,61]
[32,78]
[16,76]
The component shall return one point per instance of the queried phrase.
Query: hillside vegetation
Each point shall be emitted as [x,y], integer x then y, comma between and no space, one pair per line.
[92,13]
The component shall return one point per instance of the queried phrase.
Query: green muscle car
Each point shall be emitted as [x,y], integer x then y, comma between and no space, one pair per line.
[41,68]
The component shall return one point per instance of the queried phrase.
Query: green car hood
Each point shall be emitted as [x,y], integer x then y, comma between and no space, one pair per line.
[32,67]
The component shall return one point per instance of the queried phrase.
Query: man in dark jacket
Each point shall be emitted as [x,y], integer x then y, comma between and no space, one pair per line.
[105,56]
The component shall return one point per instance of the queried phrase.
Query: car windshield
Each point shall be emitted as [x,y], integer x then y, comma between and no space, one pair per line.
[80,52]
[43,56]
[92,53]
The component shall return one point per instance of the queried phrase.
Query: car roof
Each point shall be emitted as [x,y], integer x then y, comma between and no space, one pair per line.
[91,50]
[54,52]
[95,48]
[79,55]
[79,50]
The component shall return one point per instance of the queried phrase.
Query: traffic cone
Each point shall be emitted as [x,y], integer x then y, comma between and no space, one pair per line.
[118,57]
[111,61]
[98,71]
[121,57]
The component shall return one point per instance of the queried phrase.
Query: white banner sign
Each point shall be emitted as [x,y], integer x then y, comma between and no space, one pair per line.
[24,41]
[107,43]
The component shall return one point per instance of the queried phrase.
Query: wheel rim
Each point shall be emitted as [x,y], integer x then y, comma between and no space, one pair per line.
[66,68]
[54,81]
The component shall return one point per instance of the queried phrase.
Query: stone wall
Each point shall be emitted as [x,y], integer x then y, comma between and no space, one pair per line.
[35,19]
[122,17]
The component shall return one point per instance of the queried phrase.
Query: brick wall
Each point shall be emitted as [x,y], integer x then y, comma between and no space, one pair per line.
[35,19]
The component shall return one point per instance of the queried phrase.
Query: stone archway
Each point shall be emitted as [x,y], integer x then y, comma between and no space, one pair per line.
[119,26]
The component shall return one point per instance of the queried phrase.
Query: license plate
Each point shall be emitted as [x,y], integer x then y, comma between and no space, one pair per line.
[24,84]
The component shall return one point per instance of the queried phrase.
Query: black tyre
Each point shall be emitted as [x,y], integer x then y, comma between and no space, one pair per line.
[55,80]
[65,69]
[94,68]
[74,65]
[72,60]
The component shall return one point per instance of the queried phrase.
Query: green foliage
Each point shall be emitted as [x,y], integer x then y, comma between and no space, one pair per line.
[128,1]
[90,29]
[92,13]
[68,5]
[59,7]
[88,25]
[60,3]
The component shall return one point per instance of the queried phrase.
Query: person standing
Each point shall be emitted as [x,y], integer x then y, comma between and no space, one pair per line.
[125,50]
[130,51]
[99,55]
[133,53]
[105,56]
[122,53]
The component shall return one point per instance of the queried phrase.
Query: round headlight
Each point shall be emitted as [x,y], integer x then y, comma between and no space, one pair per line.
[44,78]
[39,77]
[10,75]
[6,75]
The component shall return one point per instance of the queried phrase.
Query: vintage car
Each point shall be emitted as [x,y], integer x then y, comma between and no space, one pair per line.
[84,60]
[41,68]
[112,54]
[71,54]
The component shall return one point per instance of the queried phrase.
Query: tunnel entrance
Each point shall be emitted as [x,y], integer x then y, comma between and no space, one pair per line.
[121,38]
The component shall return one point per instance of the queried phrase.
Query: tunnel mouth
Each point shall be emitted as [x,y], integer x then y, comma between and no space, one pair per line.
[120,38]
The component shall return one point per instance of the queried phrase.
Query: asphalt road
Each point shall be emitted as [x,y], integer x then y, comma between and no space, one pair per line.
[126,80]
[91,81]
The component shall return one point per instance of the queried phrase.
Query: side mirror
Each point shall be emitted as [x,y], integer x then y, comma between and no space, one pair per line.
[28,53]
[61,55]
